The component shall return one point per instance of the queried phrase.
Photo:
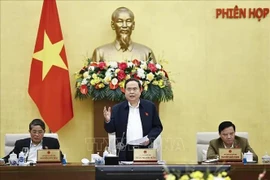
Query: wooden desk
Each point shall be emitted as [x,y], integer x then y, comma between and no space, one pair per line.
[249,171]
[80,172]
[48,172]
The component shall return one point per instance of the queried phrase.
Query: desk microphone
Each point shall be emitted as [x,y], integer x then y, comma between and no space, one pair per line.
[120,145]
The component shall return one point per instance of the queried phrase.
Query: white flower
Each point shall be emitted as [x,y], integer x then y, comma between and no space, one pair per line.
[91,68]
[143,62]
[143,65]
[114,81]
[140,73]
[86,74]
[84,81]
[129,64]
[109,72]
[158,66]
[113,64]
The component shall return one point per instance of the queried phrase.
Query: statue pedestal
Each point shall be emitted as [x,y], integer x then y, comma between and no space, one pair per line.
[100,135]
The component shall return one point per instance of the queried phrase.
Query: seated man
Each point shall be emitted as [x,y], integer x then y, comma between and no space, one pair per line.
[36,142]
[228,139]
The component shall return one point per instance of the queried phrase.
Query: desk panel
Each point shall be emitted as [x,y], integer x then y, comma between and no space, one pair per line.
[48,172]
[249,171]
[79,172]
[149,172]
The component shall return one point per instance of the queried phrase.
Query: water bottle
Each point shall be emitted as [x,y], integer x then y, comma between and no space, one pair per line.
[244,159]
[13,160]
[105,153]
[64,160]
[21,159]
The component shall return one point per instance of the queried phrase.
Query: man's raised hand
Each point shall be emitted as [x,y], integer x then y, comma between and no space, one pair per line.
[107,114]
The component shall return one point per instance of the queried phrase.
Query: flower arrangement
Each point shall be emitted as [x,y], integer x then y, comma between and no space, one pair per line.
[198,175]
[106,80]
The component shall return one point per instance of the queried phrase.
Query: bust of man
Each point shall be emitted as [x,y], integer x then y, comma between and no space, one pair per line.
[123,48]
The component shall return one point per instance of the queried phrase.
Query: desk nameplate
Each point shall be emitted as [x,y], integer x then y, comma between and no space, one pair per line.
[146,155]
[48,156]
[234,154]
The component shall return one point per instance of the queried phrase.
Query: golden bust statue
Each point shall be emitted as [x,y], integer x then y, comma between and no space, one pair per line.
[122,49]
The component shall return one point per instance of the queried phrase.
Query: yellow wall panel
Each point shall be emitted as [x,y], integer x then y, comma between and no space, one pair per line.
[221,68]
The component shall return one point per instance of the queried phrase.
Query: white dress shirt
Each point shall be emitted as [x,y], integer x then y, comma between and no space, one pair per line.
[228,147]
[32,157]
[134,125]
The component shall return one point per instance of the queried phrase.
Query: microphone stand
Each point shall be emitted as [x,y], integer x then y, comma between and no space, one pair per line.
[120,146]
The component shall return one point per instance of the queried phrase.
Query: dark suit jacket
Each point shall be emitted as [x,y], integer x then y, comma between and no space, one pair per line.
[240,142]
[47,143]
[119,118]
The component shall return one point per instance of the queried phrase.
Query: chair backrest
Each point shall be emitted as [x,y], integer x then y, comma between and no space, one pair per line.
[203,139]
[10,140]
[156,145]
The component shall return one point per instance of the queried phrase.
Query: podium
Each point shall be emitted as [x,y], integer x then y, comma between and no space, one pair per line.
[100,135]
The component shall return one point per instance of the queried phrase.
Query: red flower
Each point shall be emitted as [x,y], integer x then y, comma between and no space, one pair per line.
[113,86]
[102,65]
[122,66]
[152,67]
[136,62]
[136,76]
[121,75]
[84,89]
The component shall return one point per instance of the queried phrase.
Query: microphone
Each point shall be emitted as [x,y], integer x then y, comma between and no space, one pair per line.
[120,145]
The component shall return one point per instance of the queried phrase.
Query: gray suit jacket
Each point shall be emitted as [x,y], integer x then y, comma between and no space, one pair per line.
[240,142]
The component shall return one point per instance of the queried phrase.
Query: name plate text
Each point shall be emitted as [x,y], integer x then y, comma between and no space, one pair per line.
[230,154]
[145,155]
[48,155]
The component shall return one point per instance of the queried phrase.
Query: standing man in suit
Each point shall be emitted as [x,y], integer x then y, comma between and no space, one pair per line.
[36,142]
[228,139]
[132,119]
